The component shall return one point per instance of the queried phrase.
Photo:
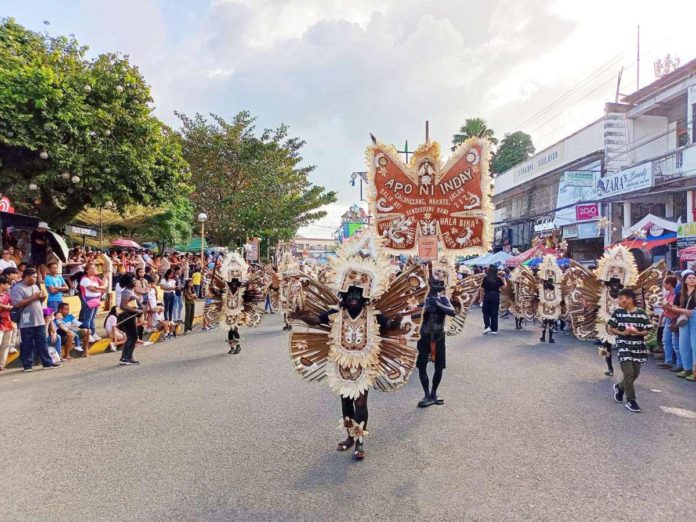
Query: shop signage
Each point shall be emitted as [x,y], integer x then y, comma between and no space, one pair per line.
[686,235]
[656,231]
[80,231]
[570,232]
[538,165]
[587,211]
[588,230]
[544,226]
[627,180]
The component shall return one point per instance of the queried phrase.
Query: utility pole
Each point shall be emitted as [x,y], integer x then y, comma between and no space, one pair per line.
[638,58]
[427,132]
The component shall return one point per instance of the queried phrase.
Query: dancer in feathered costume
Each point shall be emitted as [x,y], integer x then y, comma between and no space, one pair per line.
[519,296]
[290,287]
[445,311]
[549,295]
[359,330]
[235,295]
[592,297]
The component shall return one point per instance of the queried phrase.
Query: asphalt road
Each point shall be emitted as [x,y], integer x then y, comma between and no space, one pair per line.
[528,432]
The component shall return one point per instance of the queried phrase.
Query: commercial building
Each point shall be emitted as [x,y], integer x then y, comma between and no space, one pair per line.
[637,161]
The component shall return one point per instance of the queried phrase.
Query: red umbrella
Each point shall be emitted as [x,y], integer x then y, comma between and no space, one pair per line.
[125,243]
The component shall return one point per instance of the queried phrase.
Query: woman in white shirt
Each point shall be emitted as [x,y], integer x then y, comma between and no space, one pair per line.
[6,260]
[168,285]
[91,287]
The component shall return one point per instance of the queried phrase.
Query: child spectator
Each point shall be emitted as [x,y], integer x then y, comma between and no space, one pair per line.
[118,338]
[52,338]
[55,286]
[71,332]
[630,324]
[196,281]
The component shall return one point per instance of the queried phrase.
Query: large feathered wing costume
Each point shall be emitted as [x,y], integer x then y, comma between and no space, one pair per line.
[526,288]
[589,299]
[355,354]
[461,292]
[240,308]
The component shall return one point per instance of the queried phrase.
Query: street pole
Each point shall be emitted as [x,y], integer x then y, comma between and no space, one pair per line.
[202,244]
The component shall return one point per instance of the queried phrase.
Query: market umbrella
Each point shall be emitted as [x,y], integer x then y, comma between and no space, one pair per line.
[561,261]
[125,243]
[58,245]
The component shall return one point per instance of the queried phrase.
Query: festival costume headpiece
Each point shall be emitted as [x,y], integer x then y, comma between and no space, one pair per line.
[234,267]
[443,269]
[288,266]
[617,263]
[549,269]
[359,262]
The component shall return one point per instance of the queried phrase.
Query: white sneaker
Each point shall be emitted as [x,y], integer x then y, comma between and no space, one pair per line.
[78,348]
[486,331]
[91,339]
[112,347]
[13,349]
[96,337]
[492,333]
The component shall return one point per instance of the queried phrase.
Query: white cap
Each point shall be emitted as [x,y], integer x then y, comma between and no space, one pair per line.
[686,273]
[43,224]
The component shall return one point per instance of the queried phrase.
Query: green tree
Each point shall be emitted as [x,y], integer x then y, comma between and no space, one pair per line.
[173,226]
[515,148]
[79,129]
[249,185]
[474,127]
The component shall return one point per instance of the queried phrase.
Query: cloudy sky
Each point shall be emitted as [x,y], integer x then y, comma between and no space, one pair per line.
[337,70]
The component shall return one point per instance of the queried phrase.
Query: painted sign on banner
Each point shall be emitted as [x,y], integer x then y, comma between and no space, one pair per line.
[627,180]
[451,203]
[587,211]
[427,248]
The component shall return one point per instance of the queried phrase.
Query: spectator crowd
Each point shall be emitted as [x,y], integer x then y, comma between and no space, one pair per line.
[37,319]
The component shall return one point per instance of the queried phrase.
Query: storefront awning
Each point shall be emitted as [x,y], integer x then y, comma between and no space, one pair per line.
[645,244]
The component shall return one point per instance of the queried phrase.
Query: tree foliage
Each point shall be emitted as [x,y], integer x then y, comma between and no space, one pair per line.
[515,148]
[474,127]
[249,184]
[173,226]
[91,117]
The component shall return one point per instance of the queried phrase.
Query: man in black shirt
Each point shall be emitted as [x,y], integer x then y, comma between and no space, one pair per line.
[432,340]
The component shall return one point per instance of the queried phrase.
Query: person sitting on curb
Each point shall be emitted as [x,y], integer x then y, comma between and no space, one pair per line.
[116,336]
[72,334]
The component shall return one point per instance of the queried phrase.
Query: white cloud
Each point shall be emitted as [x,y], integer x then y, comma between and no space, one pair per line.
[336,71]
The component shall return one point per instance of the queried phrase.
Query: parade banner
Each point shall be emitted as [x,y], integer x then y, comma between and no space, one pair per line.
[451,203]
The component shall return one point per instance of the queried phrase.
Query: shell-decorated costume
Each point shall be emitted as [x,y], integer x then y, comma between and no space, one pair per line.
[461,292]
[354,354]
[520,296]
[237,308]
[549,297]
[589,298]
[290,287]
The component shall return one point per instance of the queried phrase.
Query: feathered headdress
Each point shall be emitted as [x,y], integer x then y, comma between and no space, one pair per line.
[548,269]
[360,262]
[234,267]
[617,262]
[288,266]
[443,269]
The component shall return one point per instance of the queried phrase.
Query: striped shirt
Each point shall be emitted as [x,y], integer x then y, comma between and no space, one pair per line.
[630,347]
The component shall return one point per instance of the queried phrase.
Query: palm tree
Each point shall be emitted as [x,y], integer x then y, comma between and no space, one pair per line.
[474,127]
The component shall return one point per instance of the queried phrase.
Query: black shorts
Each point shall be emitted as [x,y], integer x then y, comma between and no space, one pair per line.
[424,351]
